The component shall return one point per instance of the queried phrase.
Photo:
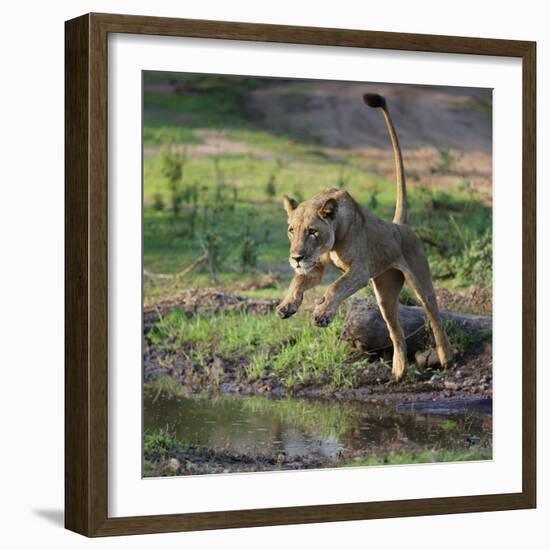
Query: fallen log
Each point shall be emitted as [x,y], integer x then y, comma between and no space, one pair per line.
[366,330]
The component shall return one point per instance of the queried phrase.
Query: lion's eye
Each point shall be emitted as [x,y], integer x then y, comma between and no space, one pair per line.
[313,232]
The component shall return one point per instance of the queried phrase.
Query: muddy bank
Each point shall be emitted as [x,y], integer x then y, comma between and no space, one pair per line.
[197,460]
[470,378]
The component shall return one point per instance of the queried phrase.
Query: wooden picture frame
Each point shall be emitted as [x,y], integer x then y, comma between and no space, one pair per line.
[86,283]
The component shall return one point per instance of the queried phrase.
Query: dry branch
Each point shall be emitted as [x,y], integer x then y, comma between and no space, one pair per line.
[193,265]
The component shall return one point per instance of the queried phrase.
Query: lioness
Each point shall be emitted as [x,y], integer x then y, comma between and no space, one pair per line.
[332,228]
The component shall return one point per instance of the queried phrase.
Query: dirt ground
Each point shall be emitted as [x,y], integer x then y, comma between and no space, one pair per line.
[334,114]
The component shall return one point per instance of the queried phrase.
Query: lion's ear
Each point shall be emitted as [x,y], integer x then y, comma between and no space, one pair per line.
[329,208]
[289,204]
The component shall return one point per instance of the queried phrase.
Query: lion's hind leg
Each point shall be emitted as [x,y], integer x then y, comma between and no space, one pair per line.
[419,278]
[387,287]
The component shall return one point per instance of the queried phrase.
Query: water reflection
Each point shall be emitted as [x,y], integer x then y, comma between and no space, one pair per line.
[297,427]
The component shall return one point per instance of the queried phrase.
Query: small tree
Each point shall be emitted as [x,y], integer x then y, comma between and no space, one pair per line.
[158,202]
[271,187]
[211,245]
[249,251]
[191,196]
[173,163]
[373,198]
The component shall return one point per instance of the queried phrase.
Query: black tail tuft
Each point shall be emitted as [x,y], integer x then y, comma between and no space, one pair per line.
[374,100]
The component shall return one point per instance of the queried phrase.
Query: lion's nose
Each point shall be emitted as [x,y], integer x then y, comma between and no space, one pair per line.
[297,259]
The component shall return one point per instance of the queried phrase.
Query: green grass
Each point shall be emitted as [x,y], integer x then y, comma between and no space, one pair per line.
[425,456]
[293,351]
[210,101]
[248,174]
[160,134]
[161,444]
[159,447]
[462,339]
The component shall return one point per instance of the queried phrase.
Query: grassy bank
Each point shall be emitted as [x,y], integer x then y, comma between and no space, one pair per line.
[289,352]
[425,457]
[259,350]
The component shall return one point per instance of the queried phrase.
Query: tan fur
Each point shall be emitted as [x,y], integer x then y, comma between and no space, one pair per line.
[333,229]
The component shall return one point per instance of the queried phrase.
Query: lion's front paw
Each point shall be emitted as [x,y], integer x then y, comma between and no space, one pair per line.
[286,309]
[322,316]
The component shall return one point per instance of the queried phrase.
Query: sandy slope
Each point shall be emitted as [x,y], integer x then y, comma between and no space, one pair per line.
[334,114]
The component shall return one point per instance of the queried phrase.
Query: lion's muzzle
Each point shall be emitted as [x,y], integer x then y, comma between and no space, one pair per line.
[301,265]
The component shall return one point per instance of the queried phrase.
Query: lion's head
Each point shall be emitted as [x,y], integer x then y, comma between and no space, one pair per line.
[310,231]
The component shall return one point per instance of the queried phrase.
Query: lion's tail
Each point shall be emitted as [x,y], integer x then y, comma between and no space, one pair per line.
[375,100]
